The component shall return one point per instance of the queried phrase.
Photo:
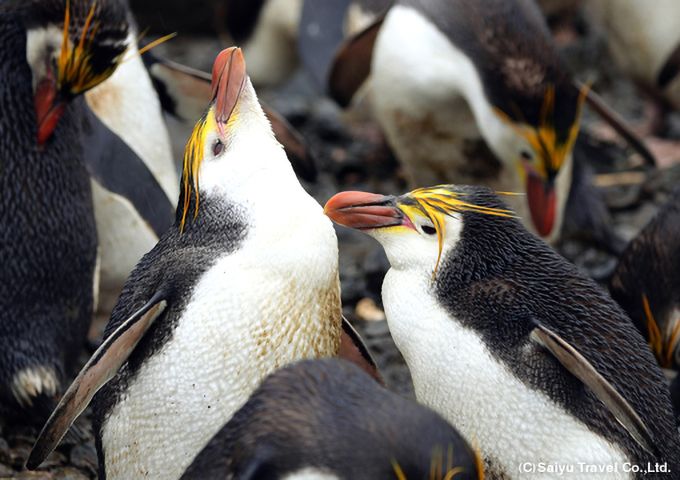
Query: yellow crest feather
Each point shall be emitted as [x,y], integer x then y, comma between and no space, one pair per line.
[193,156]
[436,203]
[544,138]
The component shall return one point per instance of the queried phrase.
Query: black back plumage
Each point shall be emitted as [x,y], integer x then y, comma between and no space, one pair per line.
[330,415]
[650,266]
[500,280]
[512,48]
[172,267]
[49,242]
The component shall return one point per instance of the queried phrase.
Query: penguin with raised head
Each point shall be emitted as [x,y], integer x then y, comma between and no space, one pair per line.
[52,52]
[646,282]
[327,419]
[244,282]
[520,351]
[472,92]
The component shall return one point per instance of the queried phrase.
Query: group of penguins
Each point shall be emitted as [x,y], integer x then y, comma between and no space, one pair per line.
[226,354]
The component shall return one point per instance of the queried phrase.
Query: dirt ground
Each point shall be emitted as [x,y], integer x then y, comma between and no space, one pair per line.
[355,157]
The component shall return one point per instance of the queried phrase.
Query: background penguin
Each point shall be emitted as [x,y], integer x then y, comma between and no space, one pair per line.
[644,41]
[244,282]
[327,417]
[510,342]
[90,48]
[646,283]
[472,91]
[49,249]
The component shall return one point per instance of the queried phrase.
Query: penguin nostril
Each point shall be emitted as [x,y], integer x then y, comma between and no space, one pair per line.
[429,230]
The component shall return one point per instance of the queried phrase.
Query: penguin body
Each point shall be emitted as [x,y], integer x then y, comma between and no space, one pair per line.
[134,183]
[49,266]
[329,417]
[508,341]
[240,285]
[647,286]
[127,104]
[478,70]
[644,41]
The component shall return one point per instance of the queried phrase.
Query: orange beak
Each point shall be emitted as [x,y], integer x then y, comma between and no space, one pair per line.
[364,211]
[542,202]
[228,79]
[48,110]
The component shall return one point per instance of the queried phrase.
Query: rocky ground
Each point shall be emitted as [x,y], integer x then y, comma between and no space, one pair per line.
[355,157]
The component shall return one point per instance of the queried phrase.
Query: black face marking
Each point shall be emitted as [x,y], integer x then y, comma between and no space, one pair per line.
[500,279]
[526,155]
[176,263]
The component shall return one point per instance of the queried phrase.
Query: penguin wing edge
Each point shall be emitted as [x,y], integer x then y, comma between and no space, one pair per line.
[670,69]
[353,349]
[617,122]
[352,63]
[582,369]
[101,367]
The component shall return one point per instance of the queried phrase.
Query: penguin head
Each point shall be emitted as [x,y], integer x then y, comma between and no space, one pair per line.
[71,47]
[538,136]
[417,228]
[232,150]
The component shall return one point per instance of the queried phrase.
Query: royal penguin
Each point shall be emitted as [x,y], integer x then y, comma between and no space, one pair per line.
[52,52]
[84,47]
[646,282]
[245,281]
[511,343]
[473,92]
[326,419]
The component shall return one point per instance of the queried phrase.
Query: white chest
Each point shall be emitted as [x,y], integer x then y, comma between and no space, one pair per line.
[454,373]
[245,319]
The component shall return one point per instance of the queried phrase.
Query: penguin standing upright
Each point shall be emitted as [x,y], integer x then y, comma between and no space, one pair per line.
[473,92]
[244,282]
[521,352]
[51,54]
[326,419]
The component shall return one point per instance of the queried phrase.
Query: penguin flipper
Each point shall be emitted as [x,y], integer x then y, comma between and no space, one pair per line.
[582,369]
[101,367]
[670,69]
[352,63]
[353,349]
[615,120]
[184,93]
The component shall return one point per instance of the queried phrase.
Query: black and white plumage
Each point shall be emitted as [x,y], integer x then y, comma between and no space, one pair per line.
[244,282]
[49,248]
[510,342]
[326,419]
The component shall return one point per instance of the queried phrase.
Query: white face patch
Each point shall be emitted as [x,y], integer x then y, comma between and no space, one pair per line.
[43,46]
[311,473]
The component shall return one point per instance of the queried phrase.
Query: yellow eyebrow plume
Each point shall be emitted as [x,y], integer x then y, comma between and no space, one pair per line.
[193,155]
[436,203]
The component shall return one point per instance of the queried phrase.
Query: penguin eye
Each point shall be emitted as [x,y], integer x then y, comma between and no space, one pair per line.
[217,148]
[428,230]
